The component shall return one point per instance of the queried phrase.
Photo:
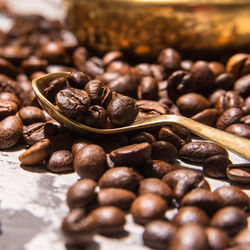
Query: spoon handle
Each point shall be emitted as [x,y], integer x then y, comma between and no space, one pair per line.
[234,143]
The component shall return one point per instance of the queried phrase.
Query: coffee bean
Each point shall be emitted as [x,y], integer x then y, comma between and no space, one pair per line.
[233,196]
[230,219]
[170,59]
[156,168]
[90,162]
[158,234]
[229,117]
[79,58]
[7,108]
[11,97]
[132,155]
[202,75]
[204,199]
[60,161]
[93,67]
[183,180]
[190,237]
[197,152]
[243,237]
[111,57]
[31,114]
[38,131]
[216,95]
[216,165]
[110,220]
[217,68]
[164,151]
[179,83]
[13,53]
[34,64]
[117,197]
[190,215]
[78,229]
[217,239]
[148,88]
[10,131]
[156,186]
[120,67]
[166,134]
[224,81]
[7,68]
[72,102]
[245,120]
[36,154]
[239,173]
[120,177]
[192,103]
[78,144]
[54,87]
[122,110]
[239,129]
[148,207]
[208,117]
[78,79]
[81,193]
[142,136]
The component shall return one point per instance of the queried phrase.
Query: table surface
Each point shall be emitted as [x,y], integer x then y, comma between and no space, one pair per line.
[32,200]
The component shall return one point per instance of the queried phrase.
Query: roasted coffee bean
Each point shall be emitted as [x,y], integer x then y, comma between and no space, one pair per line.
[245,120]
[182,132]
[170,59]
[217,68]
[197,152]
[57,68]
[229,99]
[120,177]
[34,64]
[54,52]
[246,106]
[111,57]
[79,58]
[141,136]
[81,193]
[54,87]
[31,114]
[122,110]
[236,64]
[37,74]
[93,67]
[156,168]
[36,154]
[120,67]
[204,199]
[7,108]
[14,53]
[132,155]
[117,197]
[215,96]
[190,237]
[230,219]
[186,65]
[78,229]
[10,131]
[216,166]
[148,88]
[158,234]
[107,77]
[239,129]
[148,207]
[239,173]
[224,81]
[217,239]
[183,180]
[90,162]
[72,102]
[192,103]
[110,220]
[202,75]
[233,196]
[156,186]
[60,161]
[7,68]
[11,97]
[179,83]
[190,215]
[166,134]
[229,117]
[243,237]
[78,79]
[38,131]
[95,116]
[208,117]
[164,151]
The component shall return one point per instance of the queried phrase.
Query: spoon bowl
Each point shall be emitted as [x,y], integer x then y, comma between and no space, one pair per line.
[232,142]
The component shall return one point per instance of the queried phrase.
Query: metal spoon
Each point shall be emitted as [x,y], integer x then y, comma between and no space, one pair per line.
[236,144]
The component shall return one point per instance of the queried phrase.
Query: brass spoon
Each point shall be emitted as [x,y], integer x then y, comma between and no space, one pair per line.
[236,144]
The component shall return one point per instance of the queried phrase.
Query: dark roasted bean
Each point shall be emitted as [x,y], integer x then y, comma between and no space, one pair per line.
[239,129]
[31,114]
[7,108]
[208,117]
[78,79]
[239,173]
[217,239]
[164,151]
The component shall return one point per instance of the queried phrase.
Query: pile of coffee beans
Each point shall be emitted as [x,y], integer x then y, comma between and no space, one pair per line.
[136,172]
